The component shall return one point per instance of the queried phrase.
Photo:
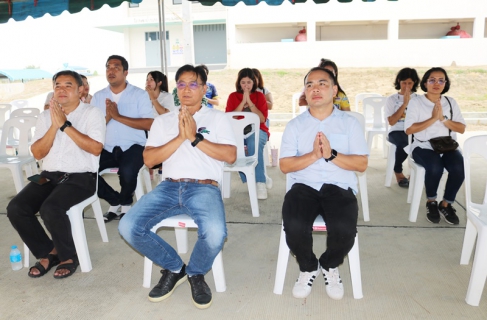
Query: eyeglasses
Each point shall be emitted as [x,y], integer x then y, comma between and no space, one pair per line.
[192,85]
[439,81]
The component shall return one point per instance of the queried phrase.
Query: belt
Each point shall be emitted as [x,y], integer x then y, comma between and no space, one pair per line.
[203,181]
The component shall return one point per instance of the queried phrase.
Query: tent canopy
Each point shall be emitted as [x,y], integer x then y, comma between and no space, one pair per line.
[269,2]
[20,9]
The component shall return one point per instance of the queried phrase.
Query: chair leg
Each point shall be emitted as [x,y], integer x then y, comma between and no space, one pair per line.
[282,261]
[26,256]
[412,178]
[181,239]
[364,196]
[147,181]
[226,184]
[18,177]
[219,273]
[468,242]
[384,145]
[139,189]
[99,219]
[355,273]
[417,191]
[391,159]
[79,238]
[479,271]
[267,154]
[254,204]
[147,272]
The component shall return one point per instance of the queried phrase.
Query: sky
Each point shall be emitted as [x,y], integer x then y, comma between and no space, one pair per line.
[49,42]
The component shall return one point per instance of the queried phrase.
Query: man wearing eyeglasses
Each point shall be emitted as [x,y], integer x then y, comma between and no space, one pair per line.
[128,113]
[192,143]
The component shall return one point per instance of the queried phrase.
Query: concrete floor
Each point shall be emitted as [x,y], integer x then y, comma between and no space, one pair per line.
[409,270]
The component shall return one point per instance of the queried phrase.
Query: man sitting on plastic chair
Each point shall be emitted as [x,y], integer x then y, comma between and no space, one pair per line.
[192,144]
[69,138]
[320,151]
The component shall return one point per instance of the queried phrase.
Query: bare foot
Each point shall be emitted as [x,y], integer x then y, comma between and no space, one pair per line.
[63,272]
[400,176]
[44,262]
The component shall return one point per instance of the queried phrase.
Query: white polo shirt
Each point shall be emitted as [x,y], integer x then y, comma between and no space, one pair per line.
[421,109]
[65,155]
[188,161]
[393,103]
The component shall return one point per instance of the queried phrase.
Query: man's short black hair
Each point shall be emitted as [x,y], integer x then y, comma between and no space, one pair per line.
[427,75]
[198,70]
[123,61]
[332,76]
[71,73]
[205,68]
[404,74]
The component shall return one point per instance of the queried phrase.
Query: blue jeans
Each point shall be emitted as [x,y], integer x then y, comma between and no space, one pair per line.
[400,140]
[259,169]
[434,164]
[202,202]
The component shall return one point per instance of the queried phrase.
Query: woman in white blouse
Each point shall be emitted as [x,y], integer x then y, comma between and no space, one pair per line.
[429,116]
[156,85]
[406,82]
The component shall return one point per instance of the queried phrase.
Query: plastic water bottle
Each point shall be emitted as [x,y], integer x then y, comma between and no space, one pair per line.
[15,258]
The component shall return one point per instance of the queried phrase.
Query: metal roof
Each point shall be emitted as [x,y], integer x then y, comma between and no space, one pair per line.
[24,74]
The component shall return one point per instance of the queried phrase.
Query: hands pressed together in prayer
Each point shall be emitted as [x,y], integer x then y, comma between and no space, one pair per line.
[58,117]
[321,146]
[438,111]
[187,125]
[111,110]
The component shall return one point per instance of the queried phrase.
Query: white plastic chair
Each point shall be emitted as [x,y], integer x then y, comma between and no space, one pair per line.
[75,214]
[361,96]
[476,224]
[296,105]
[181,223]
[23,157]
[244,163]
[143,178]
[391,160]
[318,225]
[374,110]
[362,176]
[4,113]
[416,184]
[25,112]
[18,104]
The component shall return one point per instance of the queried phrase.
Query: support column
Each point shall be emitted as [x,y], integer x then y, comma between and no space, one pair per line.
[188,45]
[393,29]
[478,27]
[311,31]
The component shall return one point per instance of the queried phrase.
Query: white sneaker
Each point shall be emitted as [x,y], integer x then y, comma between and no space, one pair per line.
[333,282]
[261,191]
[302,287]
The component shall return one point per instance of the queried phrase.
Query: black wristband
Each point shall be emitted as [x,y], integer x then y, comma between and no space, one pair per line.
[199,137]
[65,125]
[334,154]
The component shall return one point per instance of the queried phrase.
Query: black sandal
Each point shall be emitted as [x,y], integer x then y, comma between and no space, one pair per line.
[71,267]
[53,261]
[403,183]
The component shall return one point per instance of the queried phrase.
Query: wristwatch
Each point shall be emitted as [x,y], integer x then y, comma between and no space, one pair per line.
[334,154]
[65,125]
[199,137]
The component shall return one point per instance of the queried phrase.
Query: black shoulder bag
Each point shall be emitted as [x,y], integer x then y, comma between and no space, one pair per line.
[446,143]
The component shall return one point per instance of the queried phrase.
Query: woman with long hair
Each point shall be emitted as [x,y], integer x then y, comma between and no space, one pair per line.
[340,101]
[430,116]
[247,98]
[406,82]
[264,90]
[156,86]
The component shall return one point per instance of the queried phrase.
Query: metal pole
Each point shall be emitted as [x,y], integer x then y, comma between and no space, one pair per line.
[164,43]
[161,37]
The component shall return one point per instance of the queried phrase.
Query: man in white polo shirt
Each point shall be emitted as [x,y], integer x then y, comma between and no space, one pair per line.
[128,112]
[69,137]
[192,144]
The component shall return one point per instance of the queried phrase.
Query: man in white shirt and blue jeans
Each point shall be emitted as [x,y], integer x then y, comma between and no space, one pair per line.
[69,138]
[192,143]
[320,150]
[128,112]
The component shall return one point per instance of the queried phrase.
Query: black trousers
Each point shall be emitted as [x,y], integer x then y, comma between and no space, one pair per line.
[339,209]
[51,200]
[128,163]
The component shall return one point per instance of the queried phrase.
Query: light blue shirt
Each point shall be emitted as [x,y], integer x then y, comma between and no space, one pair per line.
[134,103]
[346,136]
